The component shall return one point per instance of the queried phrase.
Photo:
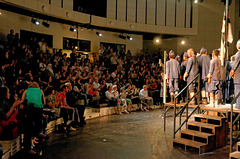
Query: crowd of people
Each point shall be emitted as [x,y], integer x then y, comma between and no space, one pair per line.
[37,85]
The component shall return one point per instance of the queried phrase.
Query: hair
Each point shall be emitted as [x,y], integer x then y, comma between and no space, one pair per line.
[49,90]
[144,86]
[63,86]
[3,93]
[203,52]
[172,56]
[216,52]
[33,85]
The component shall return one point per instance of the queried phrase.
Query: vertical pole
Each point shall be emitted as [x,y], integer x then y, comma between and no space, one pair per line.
[231,128]
[164,88]
[174,120]
[164,80]
[187,107]
[198,96]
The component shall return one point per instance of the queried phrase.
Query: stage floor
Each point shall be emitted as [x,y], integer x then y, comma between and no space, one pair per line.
[138,135]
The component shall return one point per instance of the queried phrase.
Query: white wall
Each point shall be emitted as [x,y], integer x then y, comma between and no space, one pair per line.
[17,22]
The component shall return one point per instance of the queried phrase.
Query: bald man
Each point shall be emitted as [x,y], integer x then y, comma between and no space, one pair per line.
[190,73]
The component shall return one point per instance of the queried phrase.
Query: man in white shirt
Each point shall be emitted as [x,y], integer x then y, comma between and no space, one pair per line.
[96,85]
[114,74]
[144,96]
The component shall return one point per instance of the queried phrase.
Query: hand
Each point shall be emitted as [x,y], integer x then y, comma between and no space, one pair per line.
[232,74]
[18,102]
[209,80]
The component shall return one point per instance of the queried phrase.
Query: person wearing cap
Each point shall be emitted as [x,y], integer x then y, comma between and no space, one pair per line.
[214,78]
[204,64]
[183,69]
[173,74]
[190,73]
[235,73]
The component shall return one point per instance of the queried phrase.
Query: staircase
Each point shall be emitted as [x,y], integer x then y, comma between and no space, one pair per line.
[236,154]
[205,133]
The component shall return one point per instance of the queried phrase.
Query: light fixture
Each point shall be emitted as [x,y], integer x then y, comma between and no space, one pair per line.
[73,29]
[35,21]
[182,42]
[157,40]
[121,36]
[46,24]
[0,13]
[98,33]
[195,1]
[129,37]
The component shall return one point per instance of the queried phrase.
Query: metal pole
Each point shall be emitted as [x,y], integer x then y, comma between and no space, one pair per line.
[174,120]
[187,108]
[231,128]
[164,80]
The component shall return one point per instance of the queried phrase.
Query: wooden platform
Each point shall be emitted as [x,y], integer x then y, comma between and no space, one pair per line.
[220,108]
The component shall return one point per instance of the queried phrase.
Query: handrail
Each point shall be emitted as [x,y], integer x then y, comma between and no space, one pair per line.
[186,86]
[197,94]
[231,125]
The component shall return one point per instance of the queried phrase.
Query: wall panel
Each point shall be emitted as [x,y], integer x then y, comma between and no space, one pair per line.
[131,10]
[111,9]
[170,21]
[161,12]
[141,11]
[180,15]
[151,8]
[121,10]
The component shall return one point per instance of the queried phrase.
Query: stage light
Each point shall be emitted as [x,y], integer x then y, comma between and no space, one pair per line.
[73,29]
[195,1]
[46,24]
[129,37]
[157,40]
[182,42]
[121,36]
[98,33]
[35,21]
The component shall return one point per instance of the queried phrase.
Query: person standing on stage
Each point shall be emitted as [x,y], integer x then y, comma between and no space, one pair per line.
[204,63]
[173,74]
[235,73]
[214,78]
[183,69]
[190,73]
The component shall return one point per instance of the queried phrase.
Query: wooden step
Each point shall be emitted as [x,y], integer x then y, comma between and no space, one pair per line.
[189,143]
[200,126]
[234,155]
[199,137]
[217,120]
[196,133]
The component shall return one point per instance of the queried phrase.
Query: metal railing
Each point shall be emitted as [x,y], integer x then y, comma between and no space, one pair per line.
[233,123]
[197,94]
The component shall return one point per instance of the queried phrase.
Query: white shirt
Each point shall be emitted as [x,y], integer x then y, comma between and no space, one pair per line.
[109,95]
[113,75]
[96,85]
[143,93]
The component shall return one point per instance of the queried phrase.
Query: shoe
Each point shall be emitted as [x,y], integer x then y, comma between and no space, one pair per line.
[119,113]
[125,111]
[204,101]
[71,128]
[146,110]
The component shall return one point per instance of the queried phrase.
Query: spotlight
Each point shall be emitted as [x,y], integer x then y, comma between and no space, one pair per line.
[195,1]
[98,33]
[122,36]
[35,21]
[157,40]
[46,24]
[182,42]
[73,29]
[129,37]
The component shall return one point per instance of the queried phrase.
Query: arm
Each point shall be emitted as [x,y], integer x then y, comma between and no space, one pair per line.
[235,65]
[43,98]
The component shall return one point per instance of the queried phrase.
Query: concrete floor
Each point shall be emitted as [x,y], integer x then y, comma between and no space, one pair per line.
[138,135]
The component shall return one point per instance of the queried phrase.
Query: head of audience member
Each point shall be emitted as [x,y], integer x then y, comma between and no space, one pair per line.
[33,85]
[69,86]
[185,56]
[110,88]
[114,87]
[145,87]
[238,44]
[50,91]
[64,89]
[4,94]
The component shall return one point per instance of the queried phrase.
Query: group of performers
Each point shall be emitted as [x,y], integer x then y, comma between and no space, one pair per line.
[211,76]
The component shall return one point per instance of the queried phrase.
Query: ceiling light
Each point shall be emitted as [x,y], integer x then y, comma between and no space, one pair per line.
[46,24]
[129,37]
[98,33]
[195,1]
[157,40]
[35,21]
[121,36]
[182,42]
[73,29]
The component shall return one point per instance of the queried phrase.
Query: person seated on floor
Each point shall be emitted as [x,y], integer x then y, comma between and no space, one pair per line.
[145,98]
[66,111]
[127,103]
[113,101]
